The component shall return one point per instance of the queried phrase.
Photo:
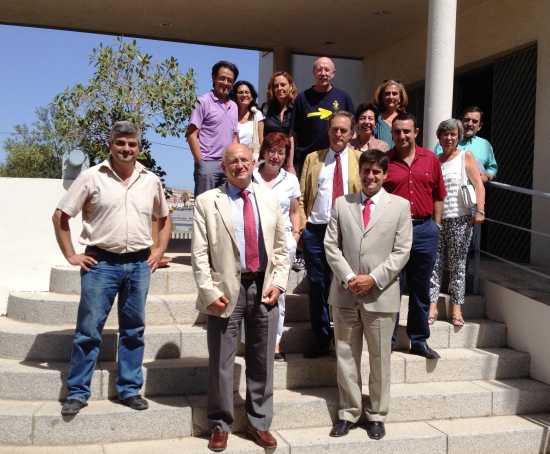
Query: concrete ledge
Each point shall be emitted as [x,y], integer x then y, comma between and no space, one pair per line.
[499,434]
[50,308]
[410,438]
[178,278]
[103,421]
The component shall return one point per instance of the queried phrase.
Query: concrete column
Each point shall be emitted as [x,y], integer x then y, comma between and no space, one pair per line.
[282,59]
[440,63]
[540,246]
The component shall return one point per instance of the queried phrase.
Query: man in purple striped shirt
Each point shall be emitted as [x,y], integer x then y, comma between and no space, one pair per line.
[212,127]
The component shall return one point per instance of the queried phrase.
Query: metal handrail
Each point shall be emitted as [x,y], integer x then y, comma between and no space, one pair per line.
[521,190]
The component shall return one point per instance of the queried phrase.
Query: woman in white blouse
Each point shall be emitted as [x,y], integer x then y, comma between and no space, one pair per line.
[285,186]
[251,119]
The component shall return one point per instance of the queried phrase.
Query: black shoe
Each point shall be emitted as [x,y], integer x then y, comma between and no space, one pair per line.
[317,352]
[71,407]
[424,350]
[135,402]
[341,428]
[280,357]
[376,429]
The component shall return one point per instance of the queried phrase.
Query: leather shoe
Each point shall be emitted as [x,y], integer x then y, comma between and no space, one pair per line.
[262,438]
[341,428]
[135,402]
[71,407]
[376,430]
[425,351]
[218,440]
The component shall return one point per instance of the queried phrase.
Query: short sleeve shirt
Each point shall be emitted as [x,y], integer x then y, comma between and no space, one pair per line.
[421,184]
[286,187]
[217,122]
[116,217]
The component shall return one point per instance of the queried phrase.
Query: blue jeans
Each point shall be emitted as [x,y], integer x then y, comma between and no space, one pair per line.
[319,275]
[416,276]
[129,277]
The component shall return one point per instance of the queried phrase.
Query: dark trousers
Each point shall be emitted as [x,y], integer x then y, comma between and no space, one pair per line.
[416,276]
[319,275]
[260,323]
[208,175]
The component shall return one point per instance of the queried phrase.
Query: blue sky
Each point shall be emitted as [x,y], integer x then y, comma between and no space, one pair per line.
[40,63]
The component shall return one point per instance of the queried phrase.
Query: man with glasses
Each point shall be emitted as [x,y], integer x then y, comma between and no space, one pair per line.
[240,263]
[212,127]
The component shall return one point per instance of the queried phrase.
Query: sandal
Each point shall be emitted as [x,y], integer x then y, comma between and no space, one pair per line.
[432,318]
[457,321]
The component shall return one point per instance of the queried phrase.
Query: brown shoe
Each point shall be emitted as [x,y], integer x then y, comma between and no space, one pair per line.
[218,440]
[262,437]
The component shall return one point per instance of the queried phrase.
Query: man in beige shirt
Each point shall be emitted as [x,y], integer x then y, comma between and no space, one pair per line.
[119,199]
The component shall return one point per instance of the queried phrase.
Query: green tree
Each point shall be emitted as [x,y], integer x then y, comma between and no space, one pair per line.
[126,85]
[35,151]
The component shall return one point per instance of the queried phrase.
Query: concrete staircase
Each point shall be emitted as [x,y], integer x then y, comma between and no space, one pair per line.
[466,402]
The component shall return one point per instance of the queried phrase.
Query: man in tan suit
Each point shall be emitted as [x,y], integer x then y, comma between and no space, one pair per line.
[240,263]
[326,175]
[367,243]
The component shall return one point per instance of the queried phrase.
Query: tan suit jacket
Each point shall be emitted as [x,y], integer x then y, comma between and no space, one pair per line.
[309,181]
[215,253]
[381,250]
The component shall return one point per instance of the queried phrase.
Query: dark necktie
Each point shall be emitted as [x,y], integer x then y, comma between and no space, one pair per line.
[337,180]
[366,212]
[251,254]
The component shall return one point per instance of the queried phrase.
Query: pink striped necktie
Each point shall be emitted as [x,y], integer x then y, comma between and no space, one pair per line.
[252,256]
[366,212]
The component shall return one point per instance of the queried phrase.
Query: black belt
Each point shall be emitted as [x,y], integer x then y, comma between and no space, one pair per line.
[316,227]
[102,254]
[417,221]
[249,276]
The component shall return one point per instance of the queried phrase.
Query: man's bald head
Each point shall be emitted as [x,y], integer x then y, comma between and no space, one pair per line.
[323,73]
[238,165]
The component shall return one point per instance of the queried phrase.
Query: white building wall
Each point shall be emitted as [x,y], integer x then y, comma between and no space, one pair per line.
[28,242]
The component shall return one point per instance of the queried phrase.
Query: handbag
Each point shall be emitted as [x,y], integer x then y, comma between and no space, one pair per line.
[467,191]
[255,145]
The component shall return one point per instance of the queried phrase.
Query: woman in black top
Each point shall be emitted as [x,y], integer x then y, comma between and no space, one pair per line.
[278,110]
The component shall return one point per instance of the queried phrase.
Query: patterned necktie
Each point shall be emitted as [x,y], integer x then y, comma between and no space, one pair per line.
[337,180]
[251,254]
[366,212]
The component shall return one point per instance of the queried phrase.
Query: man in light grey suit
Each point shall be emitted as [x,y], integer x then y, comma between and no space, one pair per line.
[240,264]
[367,243]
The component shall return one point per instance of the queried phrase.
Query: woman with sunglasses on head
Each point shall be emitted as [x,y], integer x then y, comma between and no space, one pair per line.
[391,98]
[251,119]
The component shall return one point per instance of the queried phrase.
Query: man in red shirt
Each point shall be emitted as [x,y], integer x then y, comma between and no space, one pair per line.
[414,173]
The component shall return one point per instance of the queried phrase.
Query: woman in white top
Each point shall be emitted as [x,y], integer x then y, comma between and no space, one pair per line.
[251,119]
[456,229]
[285,186]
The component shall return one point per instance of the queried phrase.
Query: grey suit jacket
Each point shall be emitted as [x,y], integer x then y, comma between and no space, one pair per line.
[215,254]
[381,250]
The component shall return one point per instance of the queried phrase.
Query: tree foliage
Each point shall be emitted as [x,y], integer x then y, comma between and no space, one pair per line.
[126,85]
[36,151]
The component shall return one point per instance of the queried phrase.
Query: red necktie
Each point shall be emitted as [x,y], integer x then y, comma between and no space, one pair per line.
[366,212]
[337,180]
[251,254]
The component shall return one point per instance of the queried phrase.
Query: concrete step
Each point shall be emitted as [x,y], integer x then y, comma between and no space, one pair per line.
[30,341]
[178,278]
[316,407]
[32,380]
[49,308]
[26,423]
[473,307]
[488,435]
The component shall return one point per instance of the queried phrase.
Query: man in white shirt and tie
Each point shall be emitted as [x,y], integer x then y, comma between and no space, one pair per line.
[327,174]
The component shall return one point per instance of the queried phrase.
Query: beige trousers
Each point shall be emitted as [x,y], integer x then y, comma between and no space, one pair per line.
[351,323]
